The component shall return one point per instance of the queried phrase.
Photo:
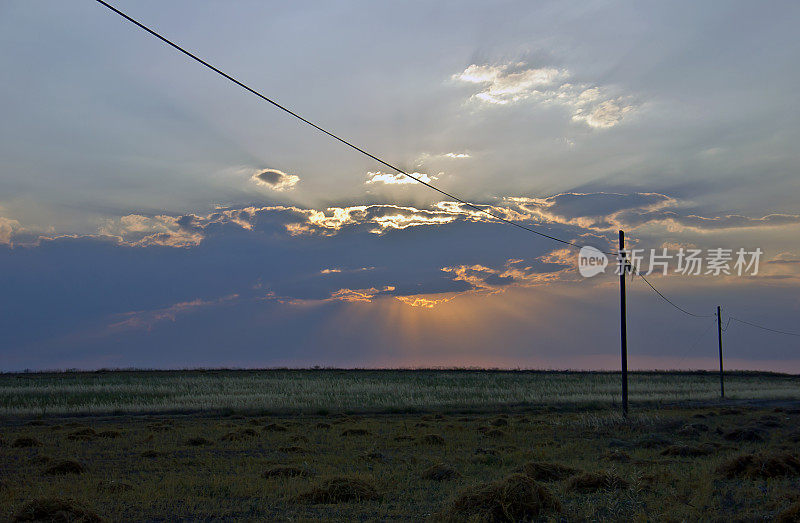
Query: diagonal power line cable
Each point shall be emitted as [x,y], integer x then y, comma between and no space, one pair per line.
[764,328]
[673,303]
[331,134]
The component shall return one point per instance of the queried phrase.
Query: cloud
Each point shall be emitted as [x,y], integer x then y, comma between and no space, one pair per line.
[147,319]
[590,216]
[7,229]
[337,270]
[359,295]
[275,179]
[398,178]
[508,83]
[458,155]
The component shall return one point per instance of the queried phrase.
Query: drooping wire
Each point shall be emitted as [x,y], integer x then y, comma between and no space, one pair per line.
[764,328]
[671,302]
[331,134]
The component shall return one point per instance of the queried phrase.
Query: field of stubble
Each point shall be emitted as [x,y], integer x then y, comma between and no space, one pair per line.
[723,462]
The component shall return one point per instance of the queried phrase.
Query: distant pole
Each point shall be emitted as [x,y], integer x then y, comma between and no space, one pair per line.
[719,338]
[622,324]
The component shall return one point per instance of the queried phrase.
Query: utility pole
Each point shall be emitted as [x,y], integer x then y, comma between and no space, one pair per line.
[623,266]
[719,338]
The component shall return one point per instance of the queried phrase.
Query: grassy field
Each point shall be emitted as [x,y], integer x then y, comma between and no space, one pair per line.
[659,465]
[310,391]
[395,445]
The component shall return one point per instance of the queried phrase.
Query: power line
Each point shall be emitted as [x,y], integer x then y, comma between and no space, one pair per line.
[671,302]
[764,328]
[329,133]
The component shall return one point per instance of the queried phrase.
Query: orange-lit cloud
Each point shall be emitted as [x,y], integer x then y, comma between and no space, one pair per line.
[359,295]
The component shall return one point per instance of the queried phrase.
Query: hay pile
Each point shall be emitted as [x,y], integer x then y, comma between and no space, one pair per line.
[24,441]
[431,439]
[439,472]
[274,427]
[543,471]
[761,465]
[515,498]
[743,434]
[86,434]
[239,435]
[618,455]
[286,471]
[339,489]
[688,450]
[114,487]
[356,432]
[295,449]
[54,509]
[64,467]
[197,442]
[791,514]
[593,481]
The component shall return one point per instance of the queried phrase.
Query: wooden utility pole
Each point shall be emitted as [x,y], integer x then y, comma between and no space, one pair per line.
[623,262]
[719,338]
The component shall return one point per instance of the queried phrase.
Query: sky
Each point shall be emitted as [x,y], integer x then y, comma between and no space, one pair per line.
[154,215]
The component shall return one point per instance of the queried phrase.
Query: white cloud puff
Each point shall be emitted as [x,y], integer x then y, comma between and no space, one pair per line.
[516,82]
[398,178]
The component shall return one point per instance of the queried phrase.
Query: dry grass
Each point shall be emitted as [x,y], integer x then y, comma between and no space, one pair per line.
[515,498]
[312,391]
[761,465]
[54,509]
[339,489]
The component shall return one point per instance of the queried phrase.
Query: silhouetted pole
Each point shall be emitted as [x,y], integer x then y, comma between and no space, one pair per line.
[719,337]
[622,325]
